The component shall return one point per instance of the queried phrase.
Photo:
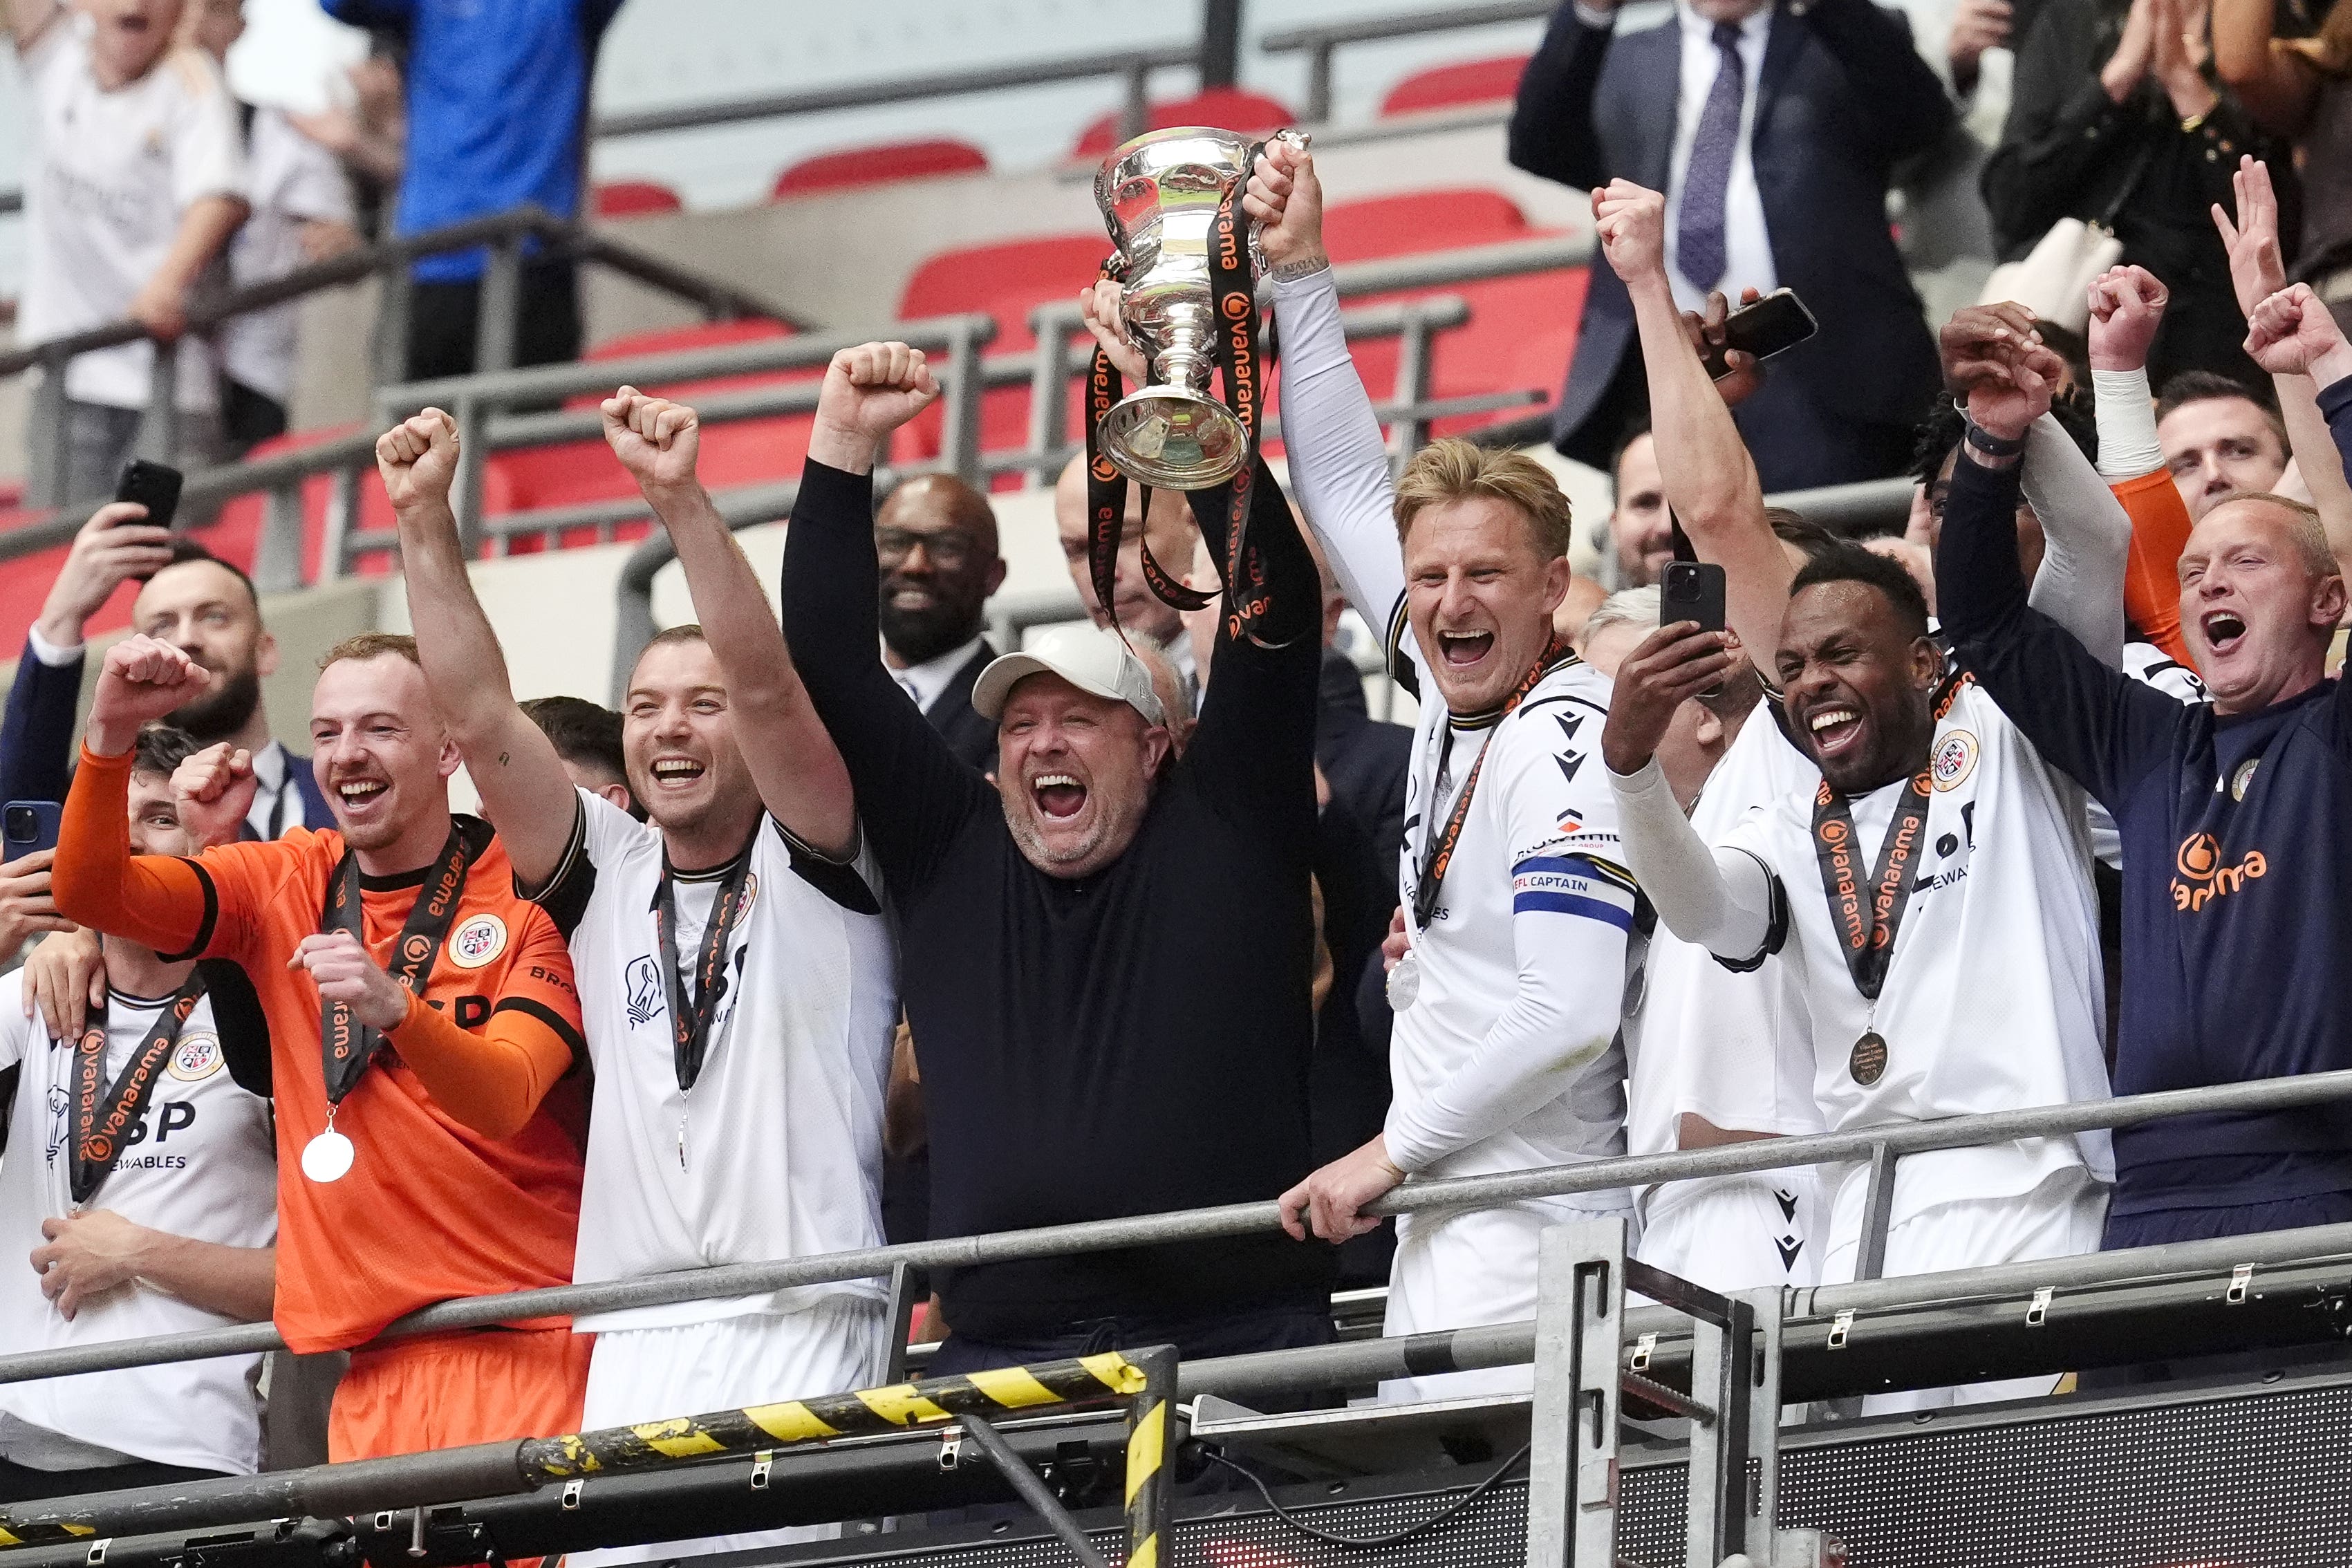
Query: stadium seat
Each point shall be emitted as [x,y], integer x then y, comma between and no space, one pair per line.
[1418,221]
[1225,108]
[1454,86]
[880,165]
[629,198]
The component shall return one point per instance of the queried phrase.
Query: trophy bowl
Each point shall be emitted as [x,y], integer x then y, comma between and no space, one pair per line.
[1159,196]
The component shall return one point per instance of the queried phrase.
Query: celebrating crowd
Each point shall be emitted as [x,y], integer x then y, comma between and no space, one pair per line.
[1093,927]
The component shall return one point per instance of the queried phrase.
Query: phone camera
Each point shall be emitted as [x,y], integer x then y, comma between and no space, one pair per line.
[23,823]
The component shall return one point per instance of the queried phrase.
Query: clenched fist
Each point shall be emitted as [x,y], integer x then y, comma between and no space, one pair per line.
[1286,197]
[2127,308]
[655,439]
[418,459]
[2291,333]
[143,680]
[215,790]
[344,973]
[1631,221]
[869,391]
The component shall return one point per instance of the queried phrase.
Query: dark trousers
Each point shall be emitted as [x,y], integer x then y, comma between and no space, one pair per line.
[1243,1332]
[2203,1225]
[22,1483]
[248,417]
[445,318]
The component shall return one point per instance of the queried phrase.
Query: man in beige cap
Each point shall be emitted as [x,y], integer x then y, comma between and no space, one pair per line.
[1107,955]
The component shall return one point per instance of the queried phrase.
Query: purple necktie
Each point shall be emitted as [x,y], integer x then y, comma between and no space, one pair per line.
[1700,253]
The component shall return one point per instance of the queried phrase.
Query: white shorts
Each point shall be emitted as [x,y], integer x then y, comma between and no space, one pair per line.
[1738,1233]
[758,1358]
[1466,1270]
[2062,1217]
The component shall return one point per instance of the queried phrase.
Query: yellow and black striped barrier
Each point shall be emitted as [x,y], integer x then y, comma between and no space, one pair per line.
[1144,1380]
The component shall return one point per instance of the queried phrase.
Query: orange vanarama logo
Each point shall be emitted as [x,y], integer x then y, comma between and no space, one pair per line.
[2202,876]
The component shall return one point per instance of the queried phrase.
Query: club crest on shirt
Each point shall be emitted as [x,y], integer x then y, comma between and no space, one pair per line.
[2242,778]
[1955,759]
[197,1058]
[646,1002]
[476,941]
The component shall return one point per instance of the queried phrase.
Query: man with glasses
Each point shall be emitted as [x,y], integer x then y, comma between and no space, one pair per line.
[936,540]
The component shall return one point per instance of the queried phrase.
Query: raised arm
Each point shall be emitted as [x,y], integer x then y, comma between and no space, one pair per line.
[2086,539]
[2292,333]
[1551,132]
[92,1251]
[2127,306]
[1339,461]
[150,900]
[913,793]
[1709,478]
[1722,900]
[513,764]
[1895,94]
[2257,272]
[792,759]
[2277,86]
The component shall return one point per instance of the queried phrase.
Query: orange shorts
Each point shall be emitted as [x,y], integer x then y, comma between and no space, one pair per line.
[482,1386]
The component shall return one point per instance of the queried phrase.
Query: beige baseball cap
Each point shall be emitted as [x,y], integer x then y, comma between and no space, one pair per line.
[1087,657]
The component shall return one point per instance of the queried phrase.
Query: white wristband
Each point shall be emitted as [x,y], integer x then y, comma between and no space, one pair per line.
[2126,415]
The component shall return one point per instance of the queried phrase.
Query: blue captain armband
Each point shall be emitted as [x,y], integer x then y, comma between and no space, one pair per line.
[1573,885]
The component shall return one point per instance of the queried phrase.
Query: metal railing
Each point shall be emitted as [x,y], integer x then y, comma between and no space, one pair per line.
[1132,67]
[1319,43]
[1880,1147]
[511,238]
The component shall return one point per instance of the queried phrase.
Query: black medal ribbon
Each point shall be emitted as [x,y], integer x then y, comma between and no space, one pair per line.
[102,1115]
[1442,844]
[690,1023]
[1868,914]
[347,1045]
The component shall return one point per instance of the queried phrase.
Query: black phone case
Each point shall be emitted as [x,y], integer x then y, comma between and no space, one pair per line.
[154,486]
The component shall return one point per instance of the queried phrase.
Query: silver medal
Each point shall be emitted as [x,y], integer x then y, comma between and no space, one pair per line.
[327,1156]
[1404,983]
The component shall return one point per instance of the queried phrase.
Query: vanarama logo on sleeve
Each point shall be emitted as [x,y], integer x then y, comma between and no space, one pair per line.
[2202,876]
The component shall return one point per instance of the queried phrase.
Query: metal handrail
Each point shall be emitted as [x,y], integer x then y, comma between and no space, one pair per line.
[1318,42]
[1228,1221]
[1133,65]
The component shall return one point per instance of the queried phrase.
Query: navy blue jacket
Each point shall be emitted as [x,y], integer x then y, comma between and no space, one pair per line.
[1841,97]
[2237,853]
[36,735]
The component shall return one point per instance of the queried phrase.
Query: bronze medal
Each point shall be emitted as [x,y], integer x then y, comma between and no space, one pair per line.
[1868,1062]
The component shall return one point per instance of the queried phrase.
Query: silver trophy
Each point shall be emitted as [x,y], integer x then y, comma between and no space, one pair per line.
[1160,194]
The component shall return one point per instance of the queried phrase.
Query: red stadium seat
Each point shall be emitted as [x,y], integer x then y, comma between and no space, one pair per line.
[1225,108]
[628,198]
[1420,221]
[880,165]
[1450,87]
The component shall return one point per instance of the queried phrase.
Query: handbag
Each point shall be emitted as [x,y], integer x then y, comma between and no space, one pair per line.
[2054,279]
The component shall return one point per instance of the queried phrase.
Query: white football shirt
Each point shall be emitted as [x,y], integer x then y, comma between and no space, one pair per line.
[1734,1046]
[1537,863]
[783,1127]
[201,1164]
[290,180]
[1992,998]
[111,175]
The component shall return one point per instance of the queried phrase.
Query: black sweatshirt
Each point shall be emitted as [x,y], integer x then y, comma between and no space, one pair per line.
[1127,1043]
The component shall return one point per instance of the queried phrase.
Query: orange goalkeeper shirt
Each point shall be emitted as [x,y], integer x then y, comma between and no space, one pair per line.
[429,1209]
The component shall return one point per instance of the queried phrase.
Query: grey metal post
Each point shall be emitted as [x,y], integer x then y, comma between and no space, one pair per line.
[342,522]
[473,454]
[1877,1213]
[1221,42]
[1768,1307]
[278,560]
[1049,390]
[159,428]
[960,438]
[48,438]
[496,329]
[1580,1346]
[1318,81]
[1722,1357]
[396,303]
[1135,106]
[1411,431]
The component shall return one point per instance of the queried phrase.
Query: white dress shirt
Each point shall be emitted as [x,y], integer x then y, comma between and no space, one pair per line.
[925,681]
[1747,241]
[272,774]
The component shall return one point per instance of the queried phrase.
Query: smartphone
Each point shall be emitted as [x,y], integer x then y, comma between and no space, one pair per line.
[1692,591]
[1777,321]
[155,486]
[29,826]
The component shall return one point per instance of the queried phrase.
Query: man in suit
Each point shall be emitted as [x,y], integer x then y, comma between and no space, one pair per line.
[936,538]
[192,599]
[1772,128]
